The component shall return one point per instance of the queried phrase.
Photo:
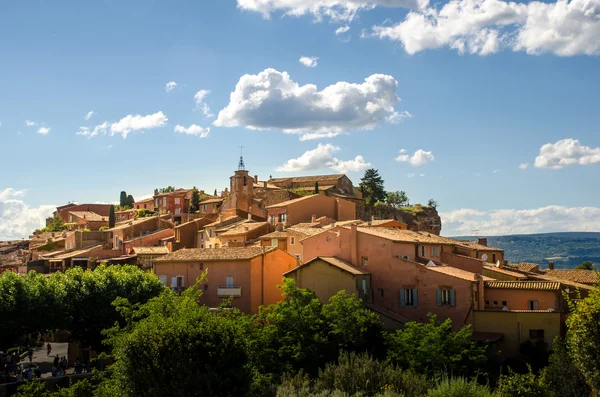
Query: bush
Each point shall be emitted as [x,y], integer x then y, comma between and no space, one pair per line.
[522,385]
[459,387]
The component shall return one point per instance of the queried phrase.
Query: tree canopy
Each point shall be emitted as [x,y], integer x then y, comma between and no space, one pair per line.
[586,265]
[195,201]
[111,216]
[396,199]
[371,186]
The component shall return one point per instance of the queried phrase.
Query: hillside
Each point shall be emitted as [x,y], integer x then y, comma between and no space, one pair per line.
[565,249]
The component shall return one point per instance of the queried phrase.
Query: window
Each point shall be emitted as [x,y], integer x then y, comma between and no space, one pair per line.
[209,232]
[536,334]
[178,235]
[70,218]
[179,281]
[191,265]
[446,297]
[204,207]
[364,285]
[282,218]
[177,211]
[292,240]
[503,303]
[202,235]
[438,251]
[487,303]
[495,303]
[144,206]
[163,279]
[432,251]
[202,266]
[365,261]
[229,281]
[380,292]
[177,200]
[533,305]
[156,203]
[205,287]
[274,242]
[422,250]
[201,245]
[408,297]
[494,258]
[245,181]
[164,201]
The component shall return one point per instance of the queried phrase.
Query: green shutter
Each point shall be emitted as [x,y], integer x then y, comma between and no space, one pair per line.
[438,296]
[415,301]
[452,298]
[402,301]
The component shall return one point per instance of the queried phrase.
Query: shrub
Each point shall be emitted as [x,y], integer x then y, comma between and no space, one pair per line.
[459,387]
[522,385]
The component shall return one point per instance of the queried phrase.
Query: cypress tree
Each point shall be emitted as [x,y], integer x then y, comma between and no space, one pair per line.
[111,216]
[123,199]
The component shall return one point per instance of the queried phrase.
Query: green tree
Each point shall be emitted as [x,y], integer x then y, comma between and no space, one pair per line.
[111,216]
[167,189]
[195,201]
[129,202]
[123,199]
[586,265]
[433,347]
[583,338]
[561,378]
[396,199]
[432,203]
[35,388]
[525,385]
[56,225]
[316,187]
[215,193]
[371,186]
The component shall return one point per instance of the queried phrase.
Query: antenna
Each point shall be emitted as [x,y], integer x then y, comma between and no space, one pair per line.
[241,165]
[475,232]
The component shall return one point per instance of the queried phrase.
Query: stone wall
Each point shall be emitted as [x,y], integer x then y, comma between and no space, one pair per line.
[426,220]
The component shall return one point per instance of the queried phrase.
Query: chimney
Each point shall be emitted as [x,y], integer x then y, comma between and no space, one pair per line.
[482,241]
[550,265]
[201,191]
[265,184]
[297,261]
[249,217]
[313,219]
[255,178]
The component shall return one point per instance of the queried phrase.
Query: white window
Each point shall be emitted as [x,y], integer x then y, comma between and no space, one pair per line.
[446,297]
[282,218]
[423,250]
[365,261]
[177,211]
[163,279]
[533,305]
[432,251]
[204,207]
[274,242]
[70,218]
[292,240]
[364,285]
[229,282]
[438,251]
[164,201]
[156,203]
[177,200]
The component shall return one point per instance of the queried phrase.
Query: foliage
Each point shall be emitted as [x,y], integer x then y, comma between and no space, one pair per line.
[586,265]
[130,201]
[177,348]
[396,199]
[371,186]
[56,225]
[432,203]
[123,199]
[215,193]
[102,228]
[459,387]
[583,338]
[561,378]
[521,385]
[433,347]
[35,388]
[302,192]
[168,189]
[195,201]
[316,187]
[111,217]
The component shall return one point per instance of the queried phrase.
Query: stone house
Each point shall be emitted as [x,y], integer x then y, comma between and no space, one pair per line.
[305,209]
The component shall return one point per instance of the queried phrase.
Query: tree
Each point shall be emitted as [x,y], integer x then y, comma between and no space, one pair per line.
[111,216]
[129,202]
[561,378]
[583,338]
[195,201]
[56,225]
[215,193]
[586,265]
[396,199]
[371,186]
[123,199]
[432,203]
[316,187]
[167,189]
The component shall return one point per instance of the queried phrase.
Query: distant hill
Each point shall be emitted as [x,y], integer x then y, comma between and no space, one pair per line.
[566,249]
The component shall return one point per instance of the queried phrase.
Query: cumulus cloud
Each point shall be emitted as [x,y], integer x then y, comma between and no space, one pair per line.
[30,123]
[309,62]
[89,115]
[322,157]
[523,166]
[337,10]
[419,158]
[193,130]
[553,218]
[318,135]
[138,122]
[43,130]
[487,26]
[90,133]
[566,152]
[201,103]
[342,30]
[170,86]
[271,100]
[17,219]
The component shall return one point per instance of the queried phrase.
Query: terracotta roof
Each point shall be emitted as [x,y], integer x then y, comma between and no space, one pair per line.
[261,184]
[577,275]
[337,262]
[407,236]
[148,200]
[308,231]
[131,222]
[212,200]
[453,272]
[77,253]
[150,250]
[476,246]
[524,285]
[243,228]
[225,222]
[525,267]
[379,222]
[307,224]
[314,178]
[293,201]
[312,188]
[278,235]
[89,216]
[493,268]
[215,254]
[177,192]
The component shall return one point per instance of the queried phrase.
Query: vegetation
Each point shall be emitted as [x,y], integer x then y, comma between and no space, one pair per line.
[167,189]
[586,265]
[371,186]
[316,187]
[195,201]
[302,192]
[123,199]
[111,216]
[432,203]
[396,199]
[56,225]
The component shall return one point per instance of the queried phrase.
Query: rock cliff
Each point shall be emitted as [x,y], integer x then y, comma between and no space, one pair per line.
[418,218]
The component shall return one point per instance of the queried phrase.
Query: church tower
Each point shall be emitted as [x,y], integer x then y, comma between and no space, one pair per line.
[241,188]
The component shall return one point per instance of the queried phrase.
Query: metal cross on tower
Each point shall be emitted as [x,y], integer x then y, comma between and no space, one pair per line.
[241,165]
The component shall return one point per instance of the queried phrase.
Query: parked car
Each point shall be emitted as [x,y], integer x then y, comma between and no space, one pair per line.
[34,367]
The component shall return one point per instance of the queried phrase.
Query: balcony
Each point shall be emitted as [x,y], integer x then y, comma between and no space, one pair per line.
[226,292]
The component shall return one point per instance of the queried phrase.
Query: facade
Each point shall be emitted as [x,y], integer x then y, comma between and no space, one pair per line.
[147,256]
[243,233]
[186,234]
[305,209]
[249,275]
[210,205]
[86,220]
[386,223]
[338,184]
[136,228]
[147,204]
[208,235]
[65,210]
[176,203]
[126,215]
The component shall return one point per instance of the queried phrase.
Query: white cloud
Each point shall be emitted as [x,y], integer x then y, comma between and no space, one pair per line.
[99,129]
[43,130]
[17,219]
[566,152]
[271,100]
[486,26]
[342,29]
[138,122]
[339,10]
[419,158]
[496,171]
[511,221]
[309,62]
[322,157]
[397,117]
[412,175]
[523,166]
[193,130]
[170,86]
[309,136]
[30,123]
[89,115]
[201,103]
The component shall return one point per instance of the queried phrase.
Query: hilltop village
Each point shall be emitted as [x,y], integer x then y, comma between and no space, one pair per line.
[319,231]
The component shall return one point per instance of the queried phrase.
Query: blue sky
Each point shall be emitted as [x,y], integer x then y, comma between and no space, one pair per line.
[468,102]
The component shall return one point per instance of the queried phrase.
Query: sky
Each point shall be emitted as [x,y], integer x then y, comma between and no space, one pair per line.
[487,106]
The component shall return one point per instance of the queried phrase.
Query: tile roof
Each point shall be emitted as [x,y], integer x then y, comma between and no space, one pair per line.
[308,231]
[577,275]
[225,222]
[148,200]
[476,246]
[177,192]
[312,188]
[524,285]
[407,236]
[75,254]
[212,200]
[278,235]
[131,222]
[293,201]
[307,224]
[215,254]
[334,261]
[89,216]
[313,178]
[453,272]
[150,250]
[493,268]
[525,267]
[242,229]
[261,184]
[379,222]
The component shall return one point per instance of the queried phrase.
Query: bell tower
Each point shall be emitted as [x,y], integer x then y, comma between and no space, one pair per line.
[241,187]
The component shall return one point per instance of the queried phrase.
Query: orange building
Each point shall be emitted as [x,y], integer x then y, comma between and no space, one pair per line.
[306,209]
[249,275]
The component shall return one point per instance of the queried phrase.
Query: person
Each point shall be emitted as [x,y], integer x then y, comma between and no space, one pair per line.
[54,370]
[30,354]
[78,367]
[56,361]
[49,347]
[29,374]
[64,364]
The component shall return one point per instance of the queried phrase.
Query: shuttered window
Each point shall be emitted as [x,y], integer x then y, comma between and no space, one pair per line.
[446,297]
[408,297]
